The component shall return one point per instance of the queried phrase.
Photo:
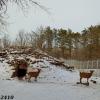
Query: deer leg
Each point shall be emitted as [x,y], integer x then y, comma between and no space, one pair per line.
[29,79]
[87,80]
[35,78]
[26,77]
[80,80]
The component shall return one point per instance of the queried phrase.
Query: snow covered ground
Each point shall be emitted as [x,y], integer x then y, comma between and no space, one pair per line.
[54,83]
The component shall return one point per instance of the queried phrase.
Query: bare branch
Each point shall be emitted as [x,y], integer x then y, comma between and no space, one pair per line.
[41,6]
[23,4]
[3,24]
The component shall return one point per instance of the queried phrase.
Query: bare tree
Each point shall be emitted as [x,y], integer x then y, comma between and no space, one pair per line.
[33,39]
[6,41]
[21,39]
[3,24]
[23,4]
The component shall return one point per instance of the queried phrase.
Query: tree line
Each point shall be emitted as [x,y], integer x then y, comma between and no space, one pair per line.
[60,42]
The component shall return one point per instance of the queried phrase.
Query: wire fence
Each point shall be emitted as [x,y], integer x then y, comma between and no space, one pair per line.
[85,65]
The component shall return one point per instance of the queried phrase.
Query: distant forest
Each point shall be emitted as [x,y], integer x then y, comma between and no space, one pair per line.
[60,43]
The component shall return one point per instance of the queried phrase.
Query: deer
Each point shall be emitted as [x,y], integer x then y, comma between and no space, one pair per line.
[86,75]
[34,74]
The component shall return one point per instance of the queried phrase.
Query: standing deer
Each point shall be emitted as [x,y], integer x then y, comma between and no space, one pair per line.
[34,74]
[85,75]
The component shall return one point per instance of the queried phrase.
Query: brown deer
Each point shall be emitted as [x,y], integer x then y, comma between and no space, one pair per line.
[34,74]
[85,75]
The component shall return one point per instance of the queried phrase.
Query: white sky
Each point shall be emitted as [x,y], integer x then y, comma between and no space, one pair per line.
[74,14]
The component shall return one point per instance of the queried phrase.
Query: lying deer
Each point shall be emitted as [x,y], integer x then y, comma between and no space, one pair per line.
[85,75]
[34,74]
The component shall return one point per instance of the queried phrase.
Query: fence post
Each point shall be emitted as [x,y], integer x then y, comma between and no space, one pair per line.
[97,64]
[80,64]
[92,64]
[97,68]
[87,64]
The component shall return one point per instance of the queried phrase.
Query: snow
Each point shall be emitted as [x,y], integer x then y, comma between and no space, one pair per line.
[54,83]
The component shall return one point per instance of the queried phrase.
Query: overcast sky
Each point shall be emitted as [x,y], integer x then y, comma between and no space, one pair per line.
[74,14]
